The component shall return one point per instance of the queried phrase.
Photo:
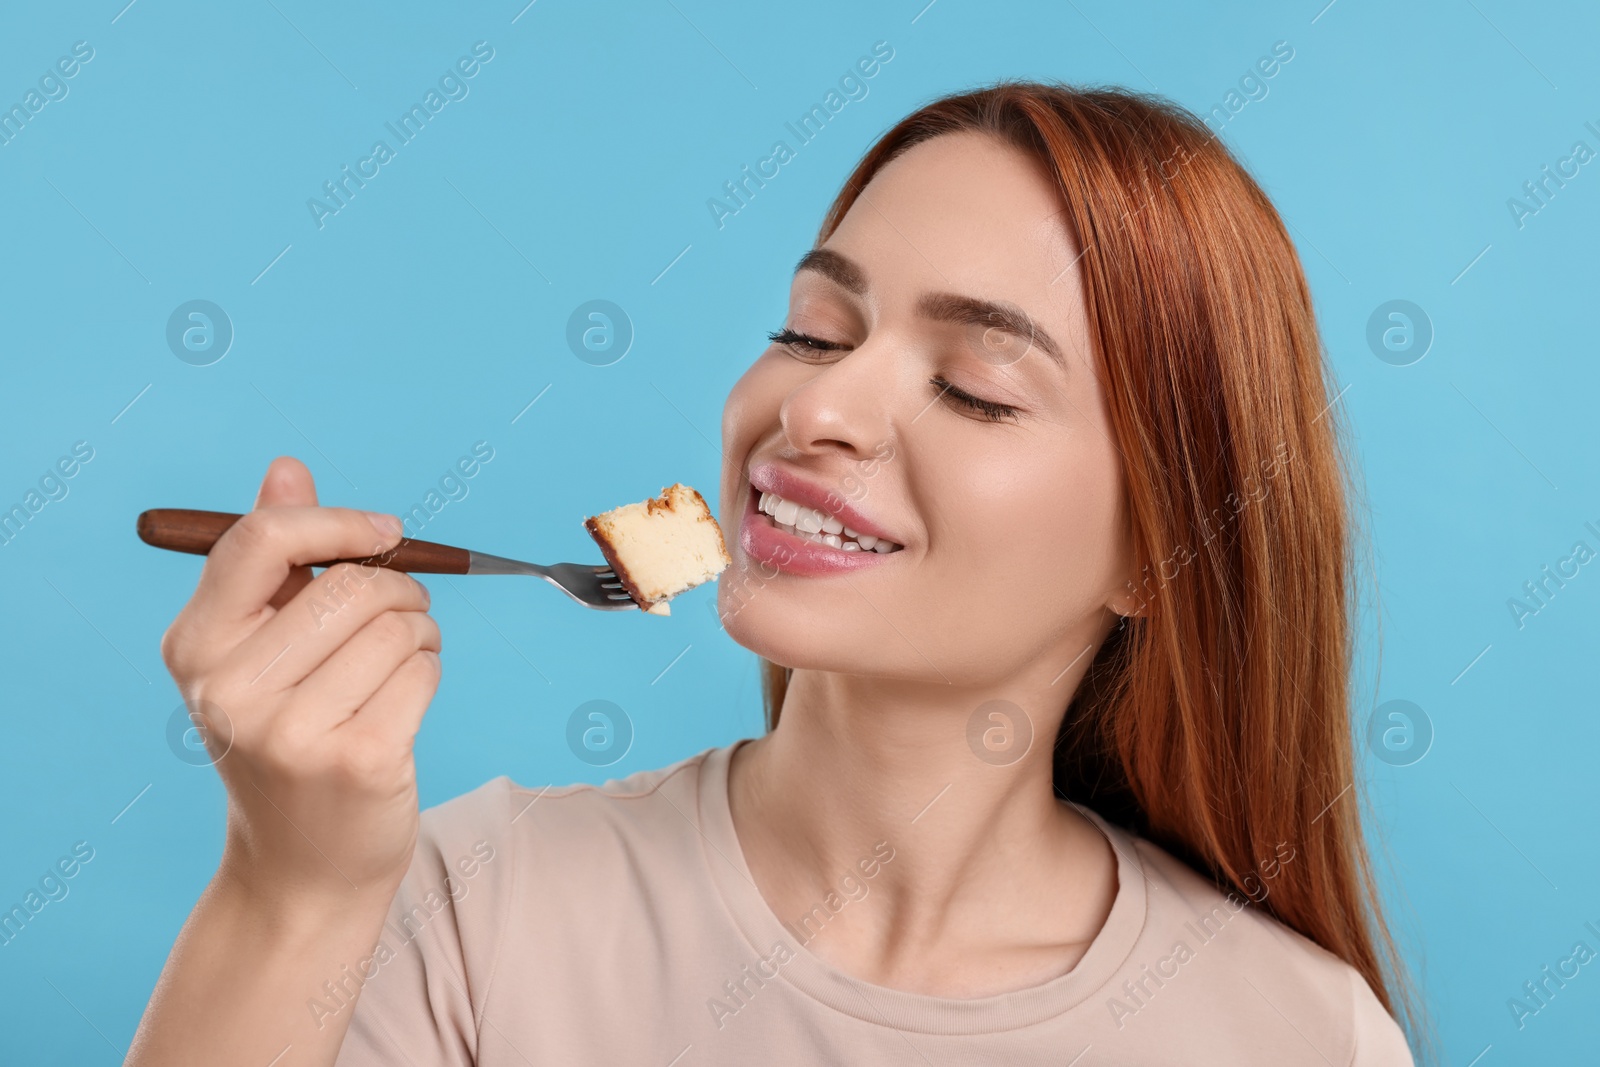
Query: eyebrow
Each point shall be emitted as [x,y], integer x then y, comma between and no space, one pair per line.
[941,307]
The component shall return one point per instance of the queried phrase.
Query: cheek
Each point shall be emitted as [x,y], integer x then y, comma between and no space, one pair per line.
[742,415]
[1054,530]
[751,408]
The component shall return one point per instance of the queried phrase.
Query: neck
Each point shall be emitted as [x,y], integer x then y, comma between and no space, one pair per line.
[860,768]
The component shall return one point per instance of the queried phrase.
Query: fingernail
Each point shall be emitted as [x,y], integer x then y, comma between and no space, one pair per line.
[387,525]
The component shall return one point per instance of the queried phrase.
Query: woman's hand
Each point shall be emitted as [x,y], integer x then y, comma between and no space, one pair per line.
[309,691]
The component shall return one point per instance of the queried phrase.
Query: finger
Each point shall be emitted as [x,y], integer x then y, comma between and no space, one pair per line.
[359,668]
[298,579]
[252,560]
[393,715]
[320,619]
[288,482]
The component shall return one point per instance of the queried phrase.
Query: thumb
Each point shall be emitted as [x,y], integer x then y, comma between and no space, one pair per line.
[287,482]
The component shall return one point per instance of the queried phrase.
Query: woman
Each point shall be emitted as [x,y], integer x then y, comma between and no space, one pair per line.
[1063,771]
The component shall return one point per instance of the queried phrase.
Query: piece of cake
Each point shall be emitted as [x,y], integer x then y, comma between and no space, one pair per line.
[661,547]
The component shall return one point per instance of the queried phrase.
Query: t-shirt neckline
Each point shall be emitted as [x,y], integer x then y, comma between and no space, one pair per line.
[916,1012]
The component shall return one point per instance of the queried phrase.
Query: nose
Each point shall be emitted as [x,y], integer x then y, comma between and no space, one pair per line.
[846,406]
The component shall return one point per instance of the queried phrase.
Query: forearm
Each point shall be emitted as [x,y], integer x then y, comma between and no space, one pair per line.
[239,985]
[321,710]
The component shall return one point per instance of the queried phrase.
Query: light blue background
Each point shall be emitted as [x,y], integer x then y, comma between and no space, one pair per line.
[416,322]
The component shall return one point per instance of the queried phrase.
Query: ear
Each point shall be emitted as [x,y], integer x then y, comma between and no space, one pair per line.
[1128,601]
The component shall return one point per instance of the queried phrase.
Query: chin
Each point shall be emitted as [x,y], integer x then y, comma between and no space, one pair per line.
[775,627]
[760,618]
[765,621]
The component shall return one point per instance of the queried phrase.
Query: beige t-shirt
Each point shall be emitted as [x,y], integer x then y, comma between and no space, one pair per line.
[618,925]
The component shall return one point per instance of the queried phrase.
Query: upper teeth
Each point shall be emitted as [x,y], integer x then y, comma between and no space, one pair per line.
[814,525]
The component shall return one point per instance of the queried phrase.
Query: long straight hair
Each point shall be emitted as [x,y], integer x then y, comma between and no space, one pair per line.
[1216,723]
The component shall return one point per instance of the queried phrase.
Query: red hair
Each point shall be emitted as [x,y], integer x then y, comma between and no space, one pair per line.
[1216,724]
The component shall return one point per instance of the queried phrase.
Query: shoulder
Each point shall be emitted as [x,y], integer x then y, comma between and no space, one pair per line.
[1379,1040]
[1261,967]
[501,803]
[504,849]
[501,825]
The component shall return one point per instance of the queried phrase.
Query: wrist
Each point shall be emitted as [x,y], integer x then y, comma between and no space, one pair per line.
[296,936]
[294,913]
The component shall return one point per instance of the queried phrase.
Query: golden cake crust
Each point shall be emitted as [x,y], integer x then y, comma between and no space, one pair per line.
[599,527]
[610,553]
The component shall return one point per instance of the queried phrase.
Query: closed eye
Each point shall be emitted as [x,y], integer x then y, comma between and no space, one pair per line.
[801,342]
[989,409]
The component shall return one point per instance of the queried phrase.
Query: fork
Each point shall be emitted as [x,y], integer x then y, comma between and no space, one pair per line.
[187,530]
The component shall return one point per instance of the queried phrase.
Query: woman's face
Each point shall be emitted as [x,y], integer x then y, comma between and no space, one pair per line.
[951,277]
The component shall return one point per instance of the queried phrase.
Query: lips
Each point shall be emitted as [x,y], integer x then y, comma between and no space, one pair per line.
[765,543]
[770,478]
[815,525]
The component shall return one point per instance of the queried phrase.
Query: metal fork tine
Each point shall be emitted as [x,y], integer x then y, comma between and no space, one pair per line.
[595,587]
[590,585]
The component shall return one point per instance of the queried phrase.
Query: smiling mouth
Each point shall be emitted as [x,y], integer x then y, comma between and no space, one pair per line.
[811,524]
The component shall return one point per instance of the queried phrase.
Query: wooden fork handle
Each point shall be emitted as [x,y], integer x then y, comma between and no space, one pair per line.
[186,530]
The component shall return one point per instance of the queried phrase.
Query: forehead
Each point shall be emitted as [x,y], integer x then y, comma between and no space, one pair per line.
[968,213]
[960,207]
